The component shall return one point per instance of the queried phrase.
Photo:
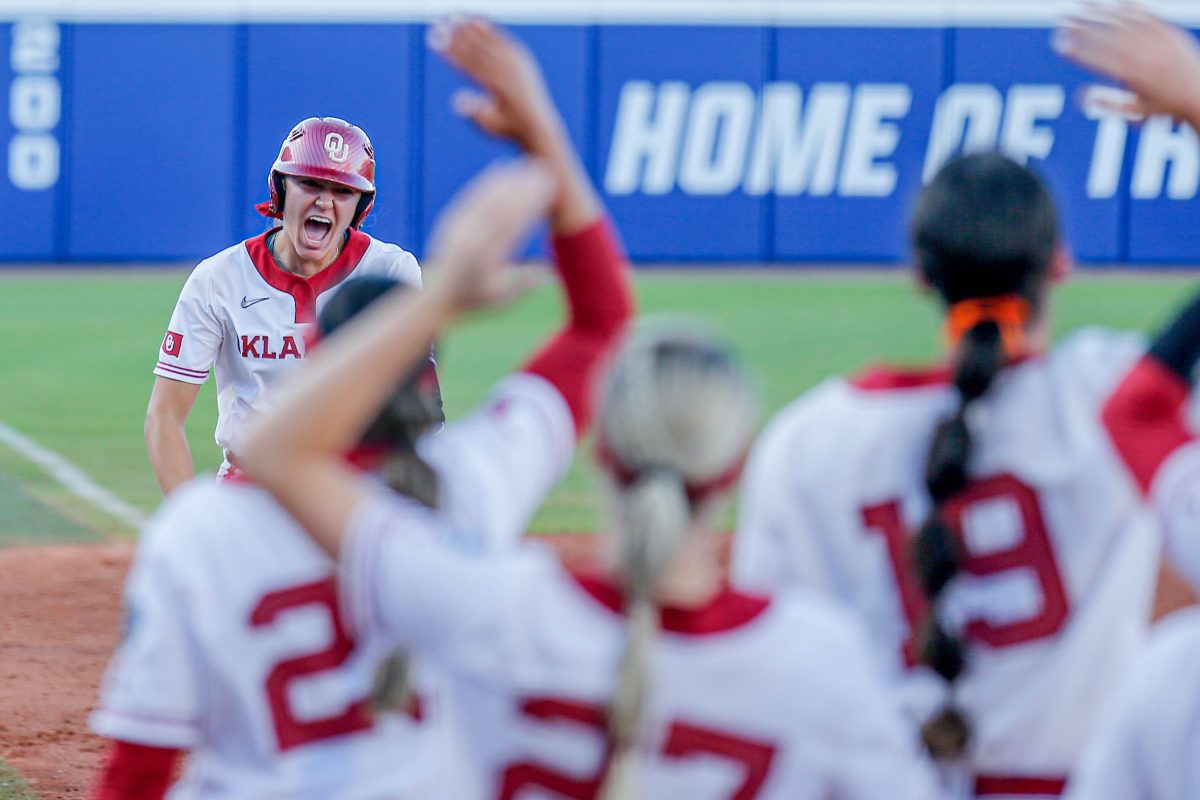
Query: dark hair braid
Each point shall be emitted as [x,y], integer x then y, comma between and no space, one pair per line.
[936,553]
[408,413]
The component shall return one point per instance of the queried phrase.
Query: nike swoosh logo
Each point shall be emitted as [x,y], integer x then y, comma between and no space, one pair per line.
[247,303]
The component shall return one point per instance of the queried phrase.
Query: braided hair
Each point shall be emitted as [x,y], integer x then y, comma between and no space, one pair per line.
[984,234]
[677,412]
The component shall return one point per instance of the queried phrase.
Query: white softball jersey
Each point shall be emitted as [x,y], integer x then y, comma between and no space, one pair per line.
[1061,555]
[242,316]
[1148,747]
[749,697]
[235,646]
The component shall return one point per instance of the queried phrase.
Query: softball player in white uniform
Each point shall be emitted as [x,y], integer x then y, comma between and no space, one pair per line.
[976,514]
[244,311]
[653,680]
[1148,746]
[237,650]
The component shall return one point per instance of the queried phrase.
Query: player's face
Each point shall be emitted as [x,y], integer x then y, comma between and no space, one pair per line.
[315,215]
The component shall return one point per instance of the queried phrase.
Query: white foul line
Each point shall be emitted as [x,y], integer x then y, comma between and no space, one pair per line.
[71,477]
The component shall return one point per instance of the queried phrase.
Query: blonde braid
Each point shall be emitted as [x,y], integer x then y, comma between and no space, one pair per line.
[676,410]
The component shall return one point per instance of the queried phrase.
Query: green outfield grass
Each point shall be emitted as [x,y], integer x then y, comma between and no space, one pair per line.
[78,348]
[13,786]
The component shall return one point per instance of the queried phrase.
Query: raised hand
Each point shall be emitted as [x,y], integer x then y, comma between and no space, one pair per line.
[514,103]
[476,235]
[1158,62]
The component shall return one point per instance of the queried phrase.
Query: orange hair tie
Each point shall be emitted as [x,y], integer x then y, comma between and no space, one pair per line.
[1010,312]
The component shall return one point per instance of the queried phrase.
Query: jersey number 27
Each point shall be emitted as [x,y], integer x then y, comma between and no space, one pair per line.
[682,741]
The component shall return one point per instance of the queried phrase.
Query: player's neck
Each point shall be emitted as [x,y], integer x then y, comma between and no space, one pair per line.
[693,578]
[288,260]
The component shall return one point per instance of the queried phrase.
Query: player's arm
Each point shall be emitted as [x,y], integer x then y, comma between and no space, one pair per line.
[194,337]
[1145,416]
[150,703]
[136,772]
[1158,62]
[1146,419]
[514,104]
[171,403]
[296,451]
[496,466]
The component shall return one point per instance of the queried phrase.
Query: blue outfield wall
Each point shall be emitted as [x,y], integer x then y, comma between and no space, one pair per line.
[756,143]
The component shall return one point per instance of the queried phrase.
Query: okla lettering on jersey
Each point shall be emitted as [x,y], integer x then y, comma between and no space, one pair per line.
[261,347]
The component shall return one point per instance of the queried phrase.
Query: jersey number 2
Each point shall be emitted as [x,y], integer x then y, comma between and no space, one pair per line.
[683,741]
[290,731]
[1030,551]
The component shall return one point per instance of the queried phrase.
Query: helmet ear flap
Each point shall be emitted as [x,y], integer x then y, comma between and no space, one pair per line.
[277,192]
[364,206]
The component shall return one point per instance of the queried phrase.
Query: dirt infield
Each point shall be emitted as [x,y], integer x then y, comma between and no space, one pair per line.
[59,622]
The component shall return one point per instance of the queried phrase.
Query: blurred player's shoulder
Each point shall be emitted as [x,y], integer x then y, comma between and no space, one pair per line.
[387,248]
[392,259]
[831,629]
[1095,358]
[831,656]
[207,516]
[211,270]
[851,415]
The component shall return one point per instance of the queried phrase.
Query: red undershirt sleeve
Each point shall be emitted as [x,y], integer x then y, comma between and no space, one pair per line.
[599,302]
[136,772]
[1145,418]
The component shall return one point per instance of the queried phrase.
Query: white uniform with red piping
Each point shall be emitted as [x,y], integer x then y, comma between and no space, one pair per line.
[235,648]
[1061,557]
[244,316]
[749,696]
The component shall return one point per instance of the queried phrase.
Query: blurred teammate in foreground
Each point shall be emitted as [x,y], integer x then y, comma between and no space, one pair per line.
[975,513]
[649,680]
[1148,748]
[244,312]
[236,649]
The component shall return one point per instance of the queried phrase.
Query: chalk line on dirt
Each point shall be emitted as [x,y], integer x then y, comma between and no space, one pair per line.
[71,477]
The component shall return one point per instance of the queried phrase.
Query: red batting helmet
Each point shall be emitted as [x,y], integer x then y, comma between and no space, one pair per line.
[329,149]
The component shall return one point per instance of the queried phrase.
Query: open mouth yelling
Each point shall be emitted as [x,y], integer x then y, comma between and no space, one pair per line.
[317,231]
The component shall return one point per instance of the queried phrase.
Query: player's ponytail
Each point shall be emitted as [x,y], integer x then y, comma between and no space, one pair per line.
[984,236]
[676,416]
[936,553]
[653,515]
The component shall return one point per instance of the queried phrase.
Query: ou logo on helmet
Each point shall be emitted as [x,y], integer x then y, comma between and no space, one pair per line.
[336,146]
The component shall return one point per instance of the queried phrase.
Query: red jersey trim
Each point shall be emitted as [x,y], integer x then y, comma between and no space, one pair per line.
[136,770]
[883,377]
[728,610]
[305,290]
[1145,419]
[200,374]
[995,785]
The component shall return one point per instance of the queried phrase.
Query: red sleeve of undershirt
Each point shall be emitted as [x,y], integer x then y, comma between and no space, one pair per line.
[1145,418]
[599,302]
[136,772]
